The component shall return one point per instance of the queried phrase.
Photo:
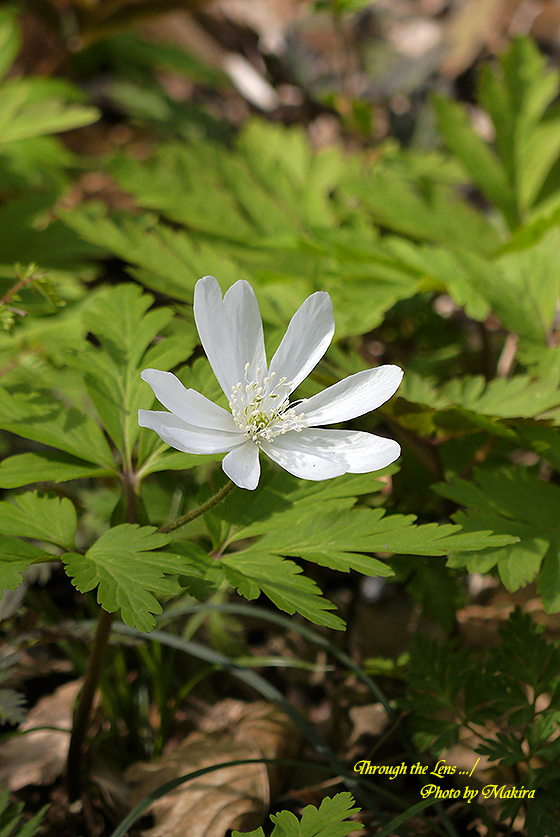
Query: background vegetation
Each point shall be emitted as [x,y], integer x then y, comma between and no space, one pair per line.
[406,159]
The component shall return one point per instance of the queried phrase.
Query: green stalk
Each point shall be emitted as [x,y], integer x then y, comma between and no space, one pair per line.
[85,702]
[98,653]
[204,507]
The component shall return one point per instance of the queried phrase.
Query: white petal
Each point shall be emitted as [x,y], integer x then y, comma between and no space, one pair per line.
[301,457]
[242,466]
[351,397]
[359,452]
[307,338]
[187,437]
[230,331]
[316,454]
[187,404]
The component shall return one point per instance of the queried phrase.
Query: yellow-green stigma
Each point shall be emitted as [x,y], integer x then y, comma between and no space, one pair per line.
[261,408]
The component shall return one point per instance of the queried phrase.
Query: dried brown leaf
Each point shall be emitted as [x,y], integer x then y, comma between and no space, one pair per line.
[475,24]
[39,756]
[371,720]
[232,797]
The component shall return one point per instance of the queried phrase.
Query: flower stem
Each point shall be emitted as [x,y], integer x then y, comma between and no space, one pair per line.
[99,649]
[204,507]
[85,702]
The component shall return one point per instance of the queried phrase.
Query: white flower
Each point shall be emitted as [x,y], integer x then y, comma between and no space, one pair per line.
[261,416]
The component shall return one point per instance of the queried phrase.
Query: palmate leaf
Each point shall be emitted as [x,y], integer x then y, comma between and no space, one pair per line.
[516,94]
[526,655]
[525,299]
[282,581]
[479,160]
[15,556]
[57,246]
[420,209]
[176,183]
[342,539]
[50,466]
[520,287]
[518,397]
[517,504]
[465,275]
[40,162]
[35,414]
[262,511]
[34,106]
[286,515]
[331,819]
[120,320]
[164,259]
[42,517]
[128,572]
[285,186]
[283,271]
[273,221]
[125,328]
[318,522]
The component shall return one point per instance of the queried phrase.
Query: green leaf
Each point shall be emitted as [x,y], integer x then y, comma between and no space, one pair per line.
[526,298]
[542,817]
[22,221]
[317,522]
[339,536]
[282,582]
[9,39]
[36,415]
[421,210]
[288,189]
[258,832]
[526,655]
[31,107]
[128,571]
[544,440]
[518,504]
[42,517]
[12,821]
[285,186]
[168,260]
[12,707]
[479,160]
[15,557]
[516,95]
[50,466]
[517,397]
[120,319]
[331,819]
[465,275]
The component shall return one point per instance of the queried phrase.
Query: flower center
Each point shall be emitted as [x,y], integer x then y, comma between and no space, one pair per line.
[261,408]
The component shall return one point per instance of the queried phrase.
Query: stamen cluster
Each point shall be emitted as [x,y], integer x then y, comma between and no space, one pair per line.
[261,408]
